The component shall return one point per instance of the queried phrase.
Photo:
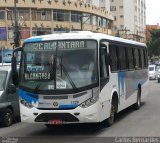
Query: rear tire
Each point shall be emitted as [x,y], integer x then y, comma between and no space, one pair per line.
[8,118]
[137,105]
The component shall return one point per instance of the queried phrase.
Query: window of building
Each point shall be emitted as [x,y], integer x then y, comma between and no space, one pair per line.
[122,26]
[100,21]
[10,14]
[109,23]
[121,16]
[23,14]
[86,18]
[75,16]
[41,15]
[113,8]
[36,31]
[10,33]
[104,23]
[61,15]
[94,20]
[2,14]
[3,33]
[45,15]
[62,30]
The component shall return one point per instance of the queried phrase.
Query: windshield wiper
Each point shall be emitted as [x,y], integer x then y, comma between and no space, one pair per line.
[36,88]
[68,76]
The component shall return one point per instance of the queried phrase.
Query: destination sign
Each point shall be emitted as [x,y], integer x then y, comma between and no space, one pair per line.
[47,46]
[37,76]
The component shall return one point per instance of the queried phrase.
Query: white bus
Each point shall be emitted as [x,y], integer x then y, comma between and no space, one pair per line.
[80,77]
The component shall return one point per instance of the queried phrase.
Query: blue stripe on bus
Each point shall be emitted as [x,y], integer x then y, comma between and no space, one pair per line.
[33,40]
[29,97]
[68,106]
[121,80]
[139,82]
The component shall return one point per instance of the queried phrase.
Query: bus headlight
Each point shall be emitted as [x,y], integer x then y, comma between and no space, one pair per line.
[89,102]
[26,104]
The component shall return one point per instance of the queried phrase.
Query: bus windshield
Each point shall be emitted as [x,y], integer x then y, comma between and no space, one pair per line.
[59,65]
[3,75]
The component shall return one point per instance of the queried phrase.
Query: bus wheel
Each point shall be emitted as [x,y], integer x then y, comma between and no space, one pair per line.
[8,117]
[137,105]
[109,121]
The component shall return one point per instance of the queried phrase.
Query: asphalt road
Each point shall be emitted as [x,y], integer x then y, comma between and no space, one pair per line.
[129,123]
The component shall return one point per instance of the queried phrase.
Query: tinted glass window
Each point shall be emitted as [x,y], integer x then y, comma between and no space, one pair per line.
[130,58]
[114,57]
[136,55]
[123,59]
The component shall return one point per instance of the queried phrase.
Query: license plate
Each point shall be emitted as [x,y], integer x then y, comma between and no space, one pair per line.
[55,122]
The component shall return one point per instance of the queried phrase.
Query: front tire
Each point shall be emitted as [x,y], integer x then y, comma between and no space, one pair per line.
[110,121]
[7,118]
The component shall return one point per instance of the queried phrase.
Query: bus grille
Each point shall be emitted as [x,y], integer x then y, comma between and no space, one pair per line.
[66,117]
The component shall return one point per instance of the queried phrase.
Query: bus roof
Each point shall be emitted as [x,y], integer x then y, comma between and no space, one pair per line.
[80,35]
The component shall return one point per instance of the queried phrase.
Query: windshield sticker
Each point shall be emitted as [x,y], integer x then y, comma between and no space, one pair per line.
[50,86]
[61,85]
[35,68]
[37,76]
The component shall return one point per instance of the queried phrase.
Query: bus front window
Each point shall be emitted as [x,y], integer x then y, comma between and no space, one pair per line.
[59,67]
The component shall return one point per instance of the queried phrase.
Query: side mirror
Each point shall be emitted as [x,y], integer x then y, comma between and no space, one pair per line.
[11,88]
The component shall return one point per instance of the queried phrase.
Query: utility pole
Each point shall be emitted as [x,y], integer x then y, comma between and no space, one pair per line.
[81,21]
[16,27]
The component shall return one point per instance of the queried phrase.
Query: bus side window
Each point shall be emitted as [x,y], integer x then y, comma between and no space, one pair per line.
[114,58]
[137,61]
[104,71]
[103,63]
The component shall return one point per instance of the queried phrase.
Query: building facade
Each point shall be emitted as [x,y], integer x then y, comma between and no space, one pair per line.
[38,17]
[129,18]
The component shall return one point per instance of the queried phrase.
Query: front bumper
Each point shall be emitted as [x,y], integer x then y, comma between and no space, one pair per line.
[77,115]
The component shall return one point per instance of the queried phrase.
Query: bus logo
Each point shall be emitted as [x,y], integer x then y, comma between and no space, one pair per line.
[55,103]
